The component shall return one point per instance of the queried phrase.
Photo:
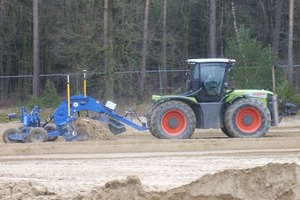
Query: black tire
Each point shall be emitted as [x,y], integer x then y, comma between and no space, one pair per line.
[49,128]
[247,118]
[8,132]
[149,121]
[149,115]
[38,134]
[173,120]
[225,131]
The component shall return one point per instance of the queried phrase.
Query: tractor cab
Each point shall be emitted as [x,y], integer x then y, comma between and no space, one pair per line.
[207,80]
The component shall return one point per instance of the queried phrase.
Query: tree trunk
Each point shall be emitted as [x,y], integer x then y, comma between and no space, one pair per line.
[1,46]
[290,42]
[144,52]
[276,36]
[164,54]
[212,29]
[186,28]
[222,32]
[1,37]
[264,32]
[234,21]
[108,52]
[36,59]
[105,11]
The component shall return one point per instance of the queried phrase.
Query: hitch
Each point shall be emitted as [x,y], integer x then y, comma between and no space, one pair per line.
[289,109]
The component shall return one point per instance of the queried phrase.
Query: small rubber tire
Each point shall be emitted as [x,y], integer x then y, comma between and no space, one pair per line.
[6,134]
[49,128]
[247,118]
[37,135]
[173,120]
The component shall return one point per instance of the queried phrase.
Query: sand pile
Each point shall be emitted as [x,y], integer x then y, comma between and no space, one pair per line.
[97,130]
[272,181]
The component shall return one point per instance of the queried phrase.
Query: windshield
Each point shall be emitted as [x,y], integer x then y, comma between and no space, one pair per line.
[212,77]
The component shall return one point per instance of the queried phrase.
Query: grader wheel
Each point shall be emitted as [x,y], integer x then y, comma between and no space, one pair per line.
[247,118]
[38,134]
[8,132]
[49,128]
[173,120]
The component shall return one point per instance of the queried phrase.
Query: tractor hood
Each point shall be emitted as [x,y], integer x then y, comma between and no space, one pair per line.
[177,97]
[265,96]
[251,93]
[260,94]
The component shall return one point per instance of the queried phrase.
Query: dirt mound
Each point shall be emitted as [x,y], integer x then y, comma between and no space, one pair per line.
[272,181]
[97,130]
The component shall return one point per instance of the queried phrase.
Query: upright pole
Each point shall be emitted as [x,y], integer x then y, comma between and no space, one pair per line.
[290,42]
[273,79]
[36,50]
[276,119]
[68,96]
[84,83]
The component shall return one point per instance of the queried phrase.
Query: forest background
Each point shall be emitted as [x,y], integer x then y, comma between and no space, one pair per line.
[132,49]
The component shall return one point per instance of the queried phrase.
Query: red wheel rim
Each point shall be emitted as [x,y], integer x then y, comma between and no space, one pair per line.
[173,122]
[248,120]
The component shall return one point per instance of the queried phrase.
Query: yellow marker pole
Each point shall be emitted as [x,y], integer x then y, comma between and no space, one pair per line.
[68,96]
[84,83]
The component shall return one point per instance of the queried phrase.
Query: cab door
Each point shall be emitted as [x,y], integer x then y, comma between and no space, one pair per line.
[212,77]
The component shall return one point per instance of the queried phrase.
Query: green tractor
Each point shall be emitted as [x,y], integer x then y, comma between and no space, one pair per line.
[211,103]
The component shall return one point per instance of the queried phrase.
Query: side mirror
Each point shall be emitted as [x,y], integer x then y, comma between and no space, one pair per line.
[226,85]
[188,75]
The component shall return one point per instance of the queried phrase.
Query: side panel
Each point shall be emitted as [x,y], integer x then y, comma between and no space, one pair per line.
[261,95]
[212,113]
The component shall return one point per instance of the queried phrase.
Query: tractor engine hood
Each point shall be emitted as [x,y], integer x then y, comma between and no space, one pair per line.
[288,108]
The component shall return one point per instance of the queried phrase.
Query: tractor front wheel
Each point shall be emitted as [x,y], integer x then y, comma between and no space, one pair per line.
[38,134]
[225,131]
[247,118]
[173,120]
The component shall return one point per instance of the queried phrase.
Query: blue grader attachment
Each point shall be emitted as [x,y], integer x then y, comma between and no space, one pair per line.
[33,130]
[78,103]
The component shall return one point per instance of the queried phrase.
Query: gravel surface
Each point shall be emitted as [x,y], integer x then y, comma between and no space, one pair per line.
[135,165]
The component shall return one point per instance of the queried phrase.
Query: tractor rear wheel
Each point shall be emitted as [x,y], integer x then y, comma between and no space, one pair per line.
[38,134]
[149,116]
[49,128]
[247,118]
[173,120]
[9,131]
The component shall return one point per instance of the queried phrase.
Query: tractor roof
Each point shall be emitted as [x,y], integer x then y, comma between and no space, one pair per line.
[208,60]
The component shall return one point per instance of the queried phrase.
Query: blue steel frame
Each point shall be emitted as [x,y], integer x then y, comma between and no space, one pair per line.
[84,103]
[63,120]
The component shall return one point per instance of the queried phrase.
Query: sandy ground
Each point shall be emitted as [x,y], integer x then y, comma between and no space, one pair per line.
[135,165]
